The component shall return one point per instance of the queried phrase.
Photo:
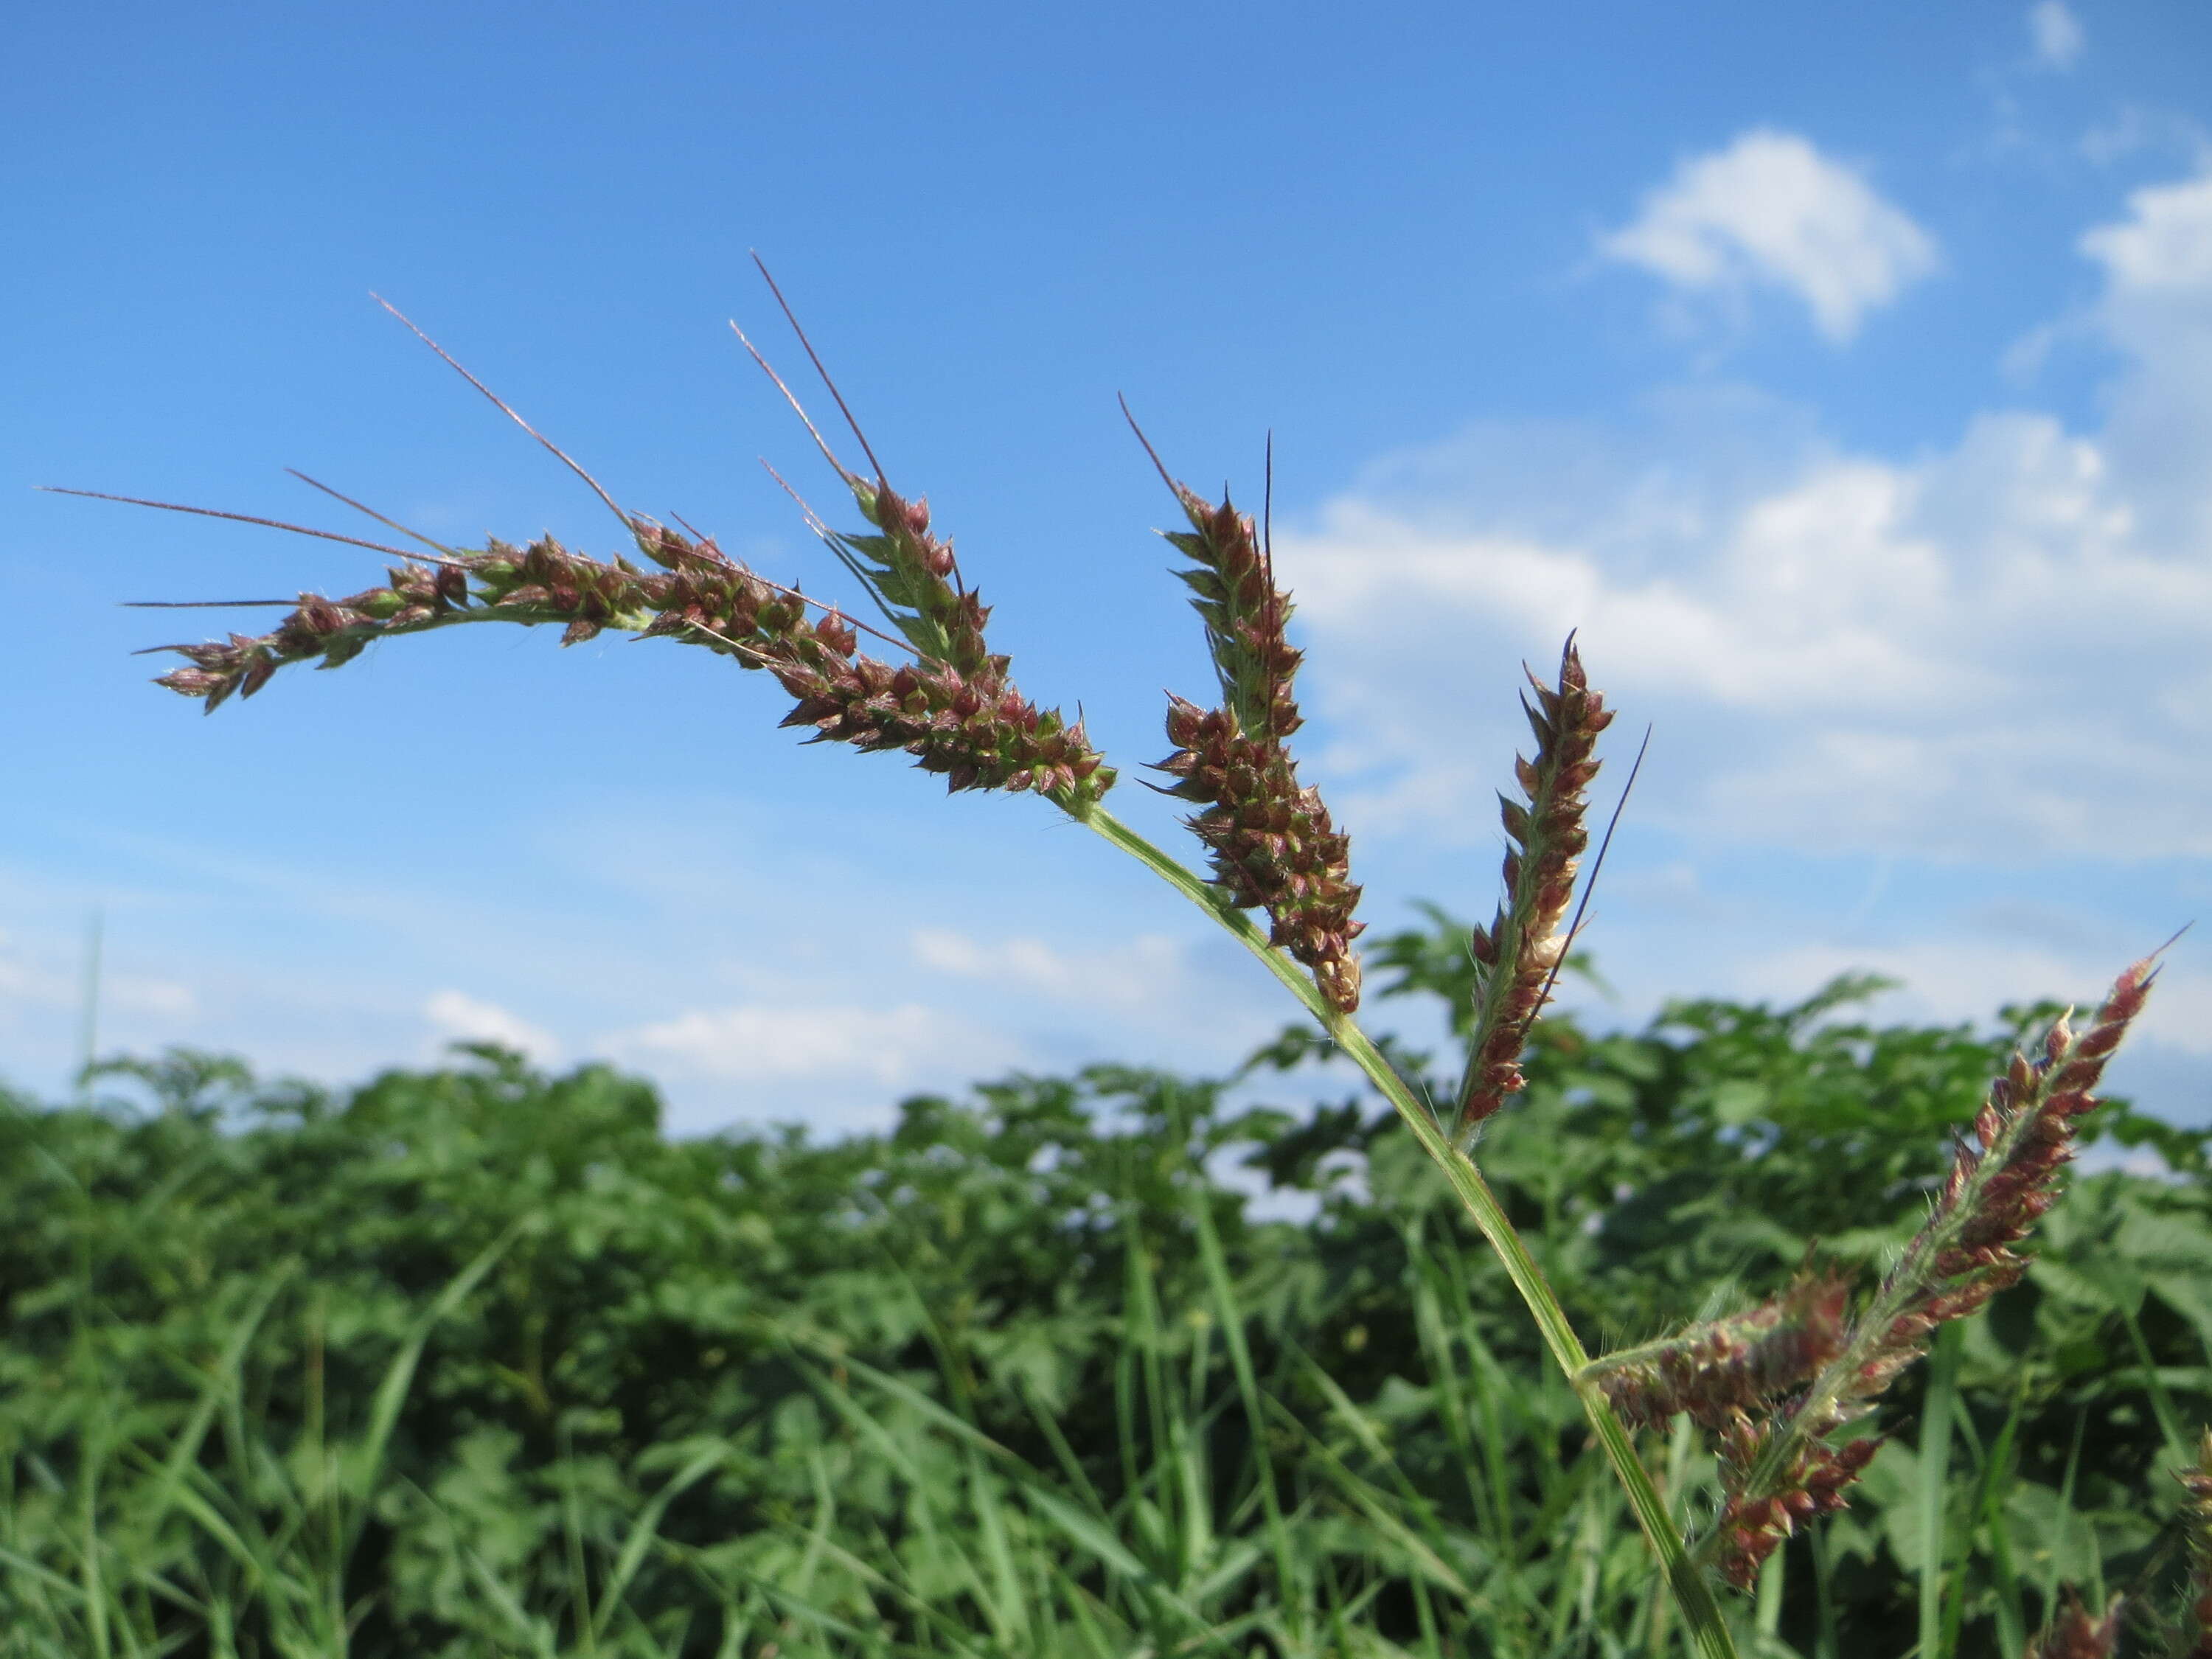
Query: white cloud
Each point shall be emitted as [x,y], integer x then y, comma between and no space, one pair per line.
[2157,307]
[1994,650]
[458,1018]
[137,994]
[1771,209]
[1951,981]
[2166,246]
[1869,655]
[1144,972]
[758,1043]
[46,987]
[2055,33]
[1964,981]
[22,980]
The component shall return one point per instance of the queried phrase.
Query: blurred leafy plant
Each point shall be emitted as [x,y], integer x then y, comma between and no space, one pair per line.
[966,1385]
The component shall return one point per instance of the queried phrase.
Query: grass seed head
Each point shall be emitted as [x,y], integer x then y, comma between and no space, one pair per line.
[971,726]
[1810,1485]
[1519,954]
[1273,843]
[2000,1180]
[2076,1633]
[1718,1370]
[2196,1520]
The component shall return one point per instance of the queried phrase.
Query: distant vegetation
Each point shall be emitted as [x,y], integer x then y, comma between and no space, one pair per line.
[474,1362]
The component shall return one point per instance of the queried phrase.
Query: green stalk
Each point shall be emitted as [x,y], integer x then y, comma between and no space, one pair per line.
[1935,1483]
[1692,1594]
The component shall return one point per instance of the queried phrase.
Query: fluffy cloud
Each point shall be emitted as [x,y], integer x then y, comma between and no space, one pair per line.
[2055,33]
[1771,210]
[2000,645]
[2163,247]
[457,1017]
[755,1043]
[1963,982]
[2157,306]
[1142,973]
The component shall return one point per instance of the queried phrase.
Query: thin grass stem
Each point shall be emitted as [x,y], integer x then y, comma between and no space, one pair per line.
[1709,1632]
[1935,1482]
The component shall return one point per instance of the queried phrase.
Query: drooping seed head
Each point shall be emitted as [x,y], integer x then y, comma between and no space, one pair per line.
[974,729]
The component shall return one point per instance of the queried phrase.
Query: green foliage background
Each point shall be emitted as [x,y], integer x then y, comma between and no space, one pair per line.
[474,1361]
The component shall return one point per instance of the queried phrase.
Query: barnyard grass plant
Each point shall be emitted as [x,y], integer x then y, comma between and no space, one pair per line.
[1775,1392]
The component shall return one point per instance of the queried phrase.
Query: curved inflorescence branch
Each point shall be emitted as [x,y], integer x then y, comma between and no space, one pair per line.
[1517,959]
[954,709]
[970,725]
[1273,843]
[1776,1472]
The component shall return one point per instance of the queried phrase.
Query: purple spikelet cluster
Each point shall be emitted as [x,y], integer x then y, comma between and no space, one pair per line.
[2000,1180]
[1778,1472]
[1720,1371]
[2197,1518]
[2077,1634]
[1517,957]
[1809,1483]
[916,577]
[1273,843]
[962,719]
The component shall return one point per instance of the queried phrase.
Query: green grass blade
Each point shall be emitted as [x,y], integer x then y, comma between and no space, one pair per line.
[1231,1316]
[367,1458]
[1935,1481]
[647,1528]
[1996,1474]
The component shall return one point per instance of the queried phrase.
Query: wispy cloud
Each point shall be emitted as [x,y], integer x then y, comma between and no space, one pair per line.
[1771,210]
[2055,35]
[39,990]
[457,1017]
[760,1043]
[1964,980]
[2138,128]
[1144,972]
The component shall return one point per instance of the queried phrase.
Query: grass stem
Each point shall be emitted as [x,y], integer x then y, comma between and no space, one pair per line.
[1692,1594]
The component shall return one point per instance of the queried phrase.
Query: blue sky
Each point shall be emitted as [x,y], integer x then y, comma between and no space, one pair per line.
[1844,373]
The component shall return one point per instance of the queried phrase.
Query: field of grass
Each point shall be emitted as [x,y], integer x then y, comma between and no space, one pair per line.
[474,1362]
